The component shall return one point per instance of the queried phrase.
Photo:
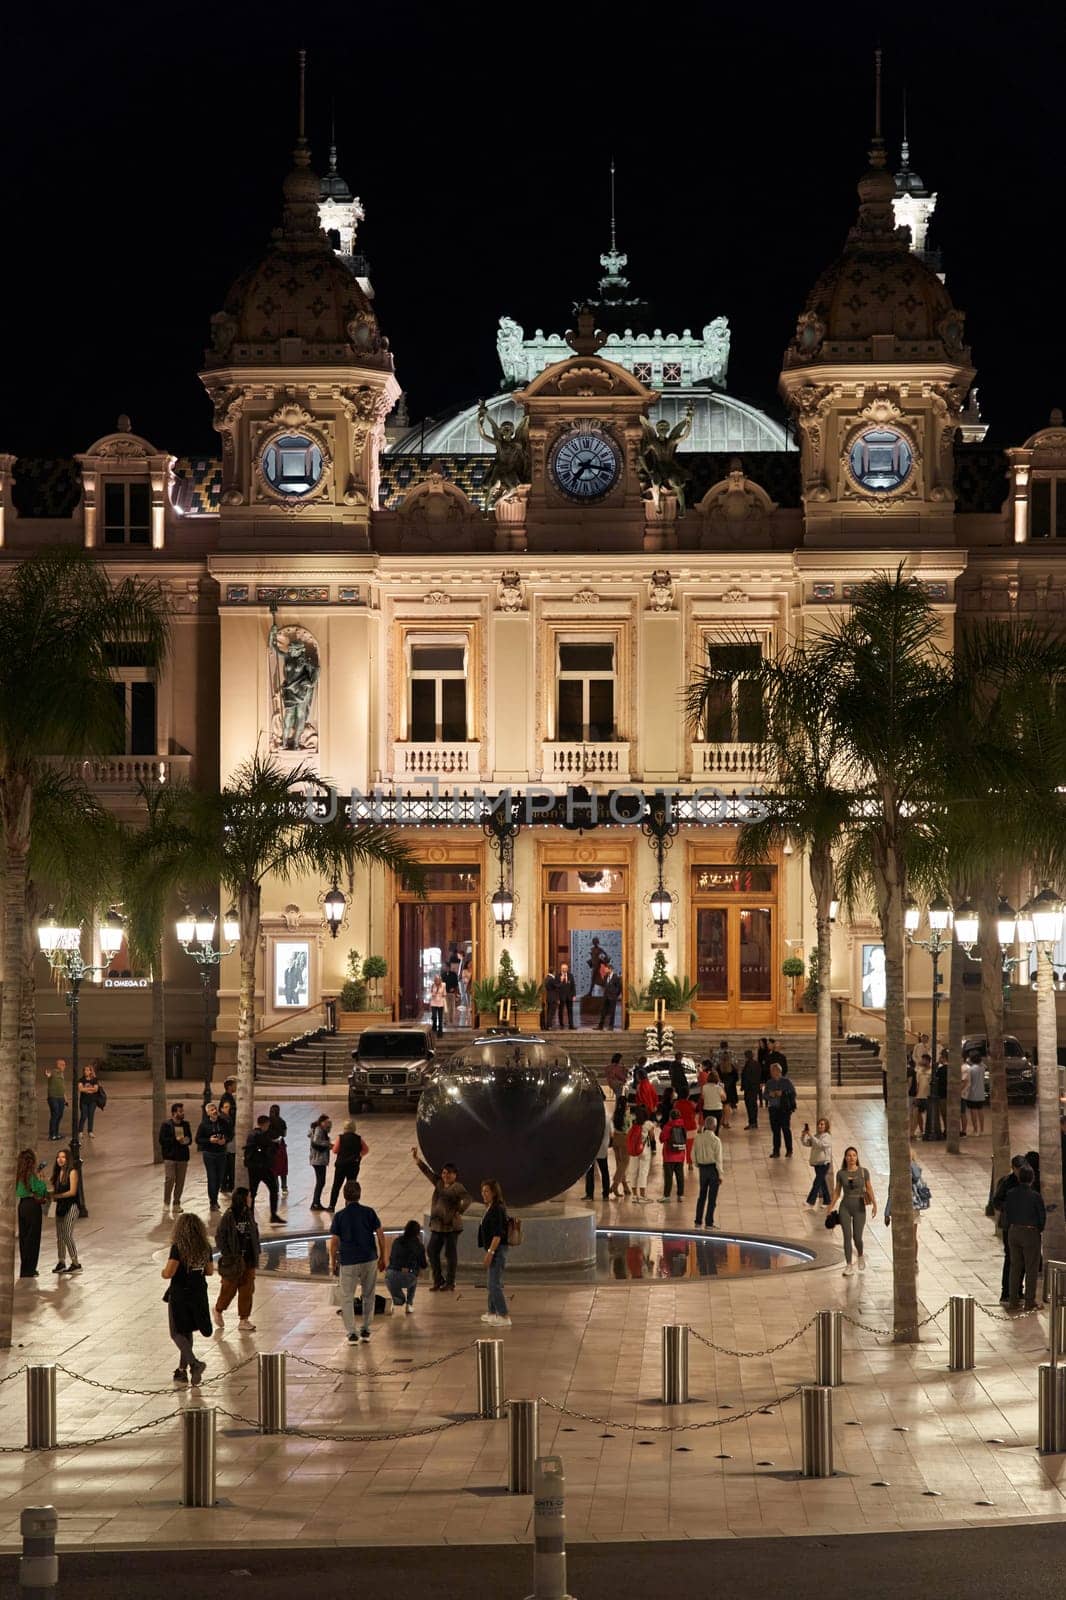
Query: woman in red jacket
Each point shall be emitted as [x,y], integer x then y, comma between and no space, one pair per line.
[687,1112]
[646,1095]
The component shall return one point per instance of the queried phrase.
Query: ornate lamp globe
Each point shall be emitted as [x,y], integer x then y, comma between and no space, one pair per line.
[1046,912]
[911,917]
[205,925]
[966,928]
[185,927]
[502,907]
[112,934]
[1006,922]
[231,926]
[662,904]
[335,905]
[939,915]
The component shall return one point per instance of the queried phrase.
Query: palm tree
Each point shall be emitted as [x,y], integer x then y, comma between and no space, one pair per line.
[801,748]
[61,621]
[254,830]
[1006,766]
[888,685]
[72,861]
[148,872]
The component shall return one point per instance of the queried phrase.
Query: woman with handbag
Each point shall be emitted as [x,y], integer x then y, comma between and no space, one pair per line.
[349,1150]
[238,1256]
[64,1191]
[492,1237]
[188,1267]
[318,1133]
[853,1193]
[31,1191]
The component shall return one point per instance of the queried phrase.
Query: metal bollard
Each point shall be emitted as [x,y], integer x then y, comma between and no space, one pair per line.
[1055,1293]
[1047,1376]
[41,1407]
[198,1456]
[489,1357]
[549,1530]
[816,1425]
[675,1364]
[829,1350]
[523,1438]
[960,1333]
[38,1564]
[272,1393]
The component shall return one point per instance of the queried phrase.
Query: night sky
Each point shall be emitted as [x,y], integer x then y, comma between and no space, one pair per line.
[145,149]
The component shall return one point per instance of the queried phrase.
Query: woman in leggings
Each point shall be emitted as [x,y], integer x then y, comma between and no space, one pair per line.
[851,1196]
[64,1191]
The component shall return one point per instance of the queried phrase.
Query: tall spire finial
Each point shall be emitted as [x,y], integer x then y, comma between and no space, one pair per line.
[614,245]
[333,138]
[877,95]
[301,130]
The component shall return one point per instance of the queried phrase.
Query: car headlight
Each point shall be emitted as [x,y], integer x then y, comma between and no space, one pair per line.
[1027,1072]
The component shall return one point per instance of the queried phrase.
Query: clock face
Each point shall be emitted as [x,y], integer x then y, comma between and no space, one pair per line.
[292,464]
[880,459]
[585,462]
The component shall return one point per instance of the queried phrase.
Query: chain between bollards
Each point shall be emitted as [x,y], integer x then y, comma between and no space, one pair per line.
[38,1564]
[675,1363]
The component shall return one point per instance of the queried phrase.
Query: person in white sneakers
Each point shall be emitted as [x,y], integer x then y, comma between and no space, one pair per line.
[821,1149]
[853,1193]
[238,1256]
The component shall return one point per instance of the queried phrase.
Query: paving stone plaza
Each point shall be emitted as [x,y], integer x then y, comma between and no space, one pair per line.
[915,1445]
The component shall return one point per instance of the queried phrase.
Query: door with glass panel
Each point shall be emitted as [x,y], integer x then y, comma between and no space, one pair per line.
[734,913]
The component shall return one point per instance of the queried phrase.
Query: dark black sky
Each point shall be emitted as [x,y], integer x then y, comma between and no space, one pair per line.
[145,148]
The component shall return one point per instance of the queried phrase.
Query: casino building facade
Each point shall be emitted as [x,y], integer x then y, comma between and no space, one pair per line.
[458,643]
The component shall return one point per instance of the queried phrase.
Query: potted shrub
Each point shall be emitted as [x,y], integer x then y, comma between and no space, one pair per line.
[793,969]
[528,1005]
[486,996]
[354,1011]
[374,969]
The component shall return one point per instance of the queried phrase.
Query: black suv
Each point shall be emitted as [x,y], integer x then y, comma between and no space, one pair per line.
[390,1067]
[1021,1074]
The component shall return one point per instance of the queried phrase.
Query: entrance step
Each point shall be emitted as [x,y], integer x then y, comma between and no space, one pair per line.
[327,1061]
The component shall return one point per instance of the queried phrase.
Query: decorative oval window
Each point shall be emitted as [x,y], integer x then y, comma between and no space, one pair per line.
[292,464]
[880,459]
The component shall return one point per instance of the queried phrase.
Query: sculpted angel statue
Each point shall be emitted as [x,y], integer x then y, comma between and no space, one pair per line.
[511,468]
[294,685]
[659,466]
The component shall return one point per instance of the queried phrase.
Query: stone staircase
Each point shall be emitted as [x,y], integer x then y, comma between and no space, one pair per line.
[326,1061]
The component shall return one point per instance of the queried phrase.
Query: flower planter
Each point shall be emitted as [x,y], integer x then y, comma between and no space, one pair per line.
[680,1021]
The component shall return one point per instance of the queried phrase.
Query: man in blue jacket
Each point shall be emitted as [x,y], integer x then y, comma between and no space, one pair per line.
[780,1097]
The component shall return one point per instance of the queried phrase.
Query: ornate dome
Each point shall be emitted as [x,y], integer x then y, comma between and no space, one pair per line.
[878,289]
[299,291]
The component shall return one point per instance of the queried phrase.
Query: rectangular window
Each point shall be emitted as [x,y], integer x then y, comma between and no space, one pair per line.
[671,372]
[136,701]
[586,693]
[642,371]
[1040,509]
[734,703]
[438,693]
[127,512]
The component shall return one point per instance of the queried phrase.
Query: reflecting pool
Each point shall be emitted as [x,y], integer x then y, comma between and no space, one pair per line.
[623,1255]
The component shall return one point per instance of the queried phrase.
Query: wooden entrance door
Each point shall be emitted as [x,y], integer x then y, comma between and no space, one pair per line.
[734,941]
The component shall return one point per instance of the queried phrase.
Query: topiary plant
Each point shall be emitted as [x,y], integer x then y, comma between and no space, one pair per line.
[659,982]
[792,967]
[375,967]
[506,978]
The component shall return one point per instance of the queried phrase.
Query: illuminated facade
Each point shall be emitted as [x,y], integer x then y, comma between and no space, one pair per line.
[545,643]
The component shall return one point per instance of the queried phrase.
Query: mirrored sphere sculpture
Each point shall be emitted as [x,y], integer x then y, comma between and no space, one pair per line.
[516,1109]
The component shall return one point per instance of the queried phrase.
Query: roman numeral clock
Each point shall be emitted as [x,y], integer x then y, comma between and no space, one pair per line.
[584,417]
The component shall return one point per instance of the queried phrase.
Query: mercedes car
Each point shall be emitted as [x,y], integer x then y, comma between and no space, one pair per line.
[389,1067]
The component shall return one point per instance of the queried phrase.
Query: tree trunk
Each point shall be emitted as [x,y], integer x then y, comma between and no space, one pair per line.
[889,881]
[248,904]
[18,799]
[159,1054]
[1049,1138]
[987,903]
[27,1133]
[956,1033]
[821,869]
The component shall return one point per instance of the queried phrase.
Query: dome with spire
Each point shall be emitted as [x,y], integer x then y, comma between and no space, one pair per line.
[879,288]
[299,303]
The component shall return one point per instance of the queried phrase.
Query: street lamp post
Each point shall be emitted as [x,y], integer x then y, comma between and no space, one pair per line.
[1045,914]
[62,946]
[940,917]
[196,935]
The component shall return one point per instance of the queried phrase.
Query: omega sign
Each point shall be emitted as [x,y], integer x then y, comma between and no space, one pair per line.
[126,983]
